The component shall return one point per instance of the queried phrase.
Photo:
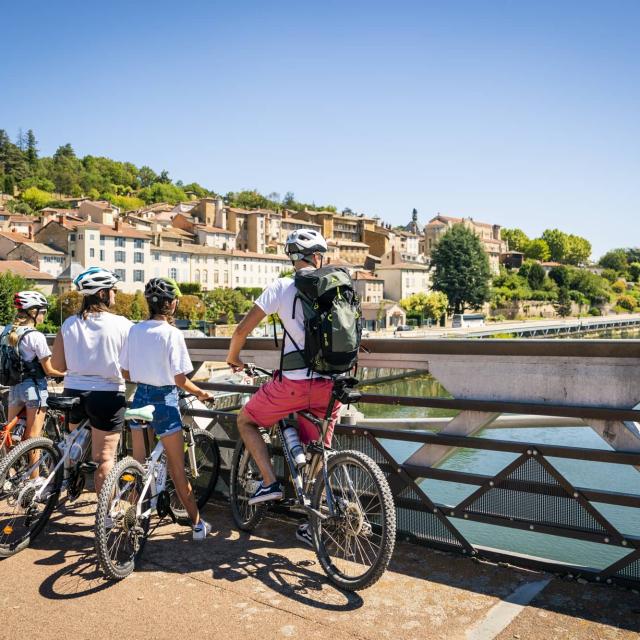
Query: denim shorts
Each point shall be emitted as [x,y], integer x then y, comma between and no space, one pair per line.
[166,417]
[32,394]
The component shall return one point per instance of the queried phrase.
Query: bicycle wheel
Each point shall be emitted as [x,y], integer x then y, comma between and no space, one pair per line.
[120,533]
[244,480]
[354,546]
[23,472]
[207,456]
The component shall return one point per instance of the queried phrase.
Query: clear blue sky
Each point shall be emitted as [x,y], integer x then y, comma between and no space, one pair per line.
[521,113]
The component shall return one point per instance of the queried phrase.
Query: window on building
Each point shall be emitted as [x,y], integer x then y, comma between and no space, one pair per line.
[80,236]
[138,275]
[72,237]
[173,273]
[101,239]
[73,253]
[120,256]
[102,254]
[197,275]
[92,253]
[121,273]
[137,243]
[205,276]
[138,256]
[215,277]
[120,242]
[174,257]
[185,258]
[90,236]
[156,256]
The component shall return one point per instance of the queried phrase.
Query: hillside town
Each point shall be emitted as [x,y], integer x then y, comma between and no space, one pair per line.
[214,245]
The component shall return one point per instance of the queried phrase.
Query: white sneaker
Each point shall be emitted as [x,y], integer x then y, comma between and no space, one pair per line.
[201,530]
[303,534]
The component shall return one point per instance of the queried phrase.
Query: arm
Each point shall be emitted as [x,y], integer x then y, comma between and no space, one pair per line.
[48,368]
[184,383]
[239,337]
[58,360]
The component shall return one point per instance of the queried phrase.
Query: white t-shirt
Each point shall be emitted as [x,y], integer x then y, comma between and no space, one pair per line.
[34,345]
[92,350]
[278,298]
[154,353]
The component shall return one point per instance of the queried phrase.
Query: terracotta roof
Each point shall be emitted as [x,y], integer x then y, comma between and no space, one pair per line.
[21,219]
[15,237]
[100,204]
[24,269]
[125,230]
[39,247]
[408,266]
[366,275]
[56,210]
[208,229]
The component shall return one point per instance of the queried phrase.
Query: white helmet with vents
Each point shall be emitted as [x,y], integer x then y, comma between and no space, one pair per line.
[29,300]
[94,279]
[304,242]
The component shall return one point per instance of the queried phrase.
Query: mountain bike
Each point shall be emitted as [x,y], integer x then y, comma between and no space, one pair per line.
[11,430]
[344,493]
[132,493]
[32,476]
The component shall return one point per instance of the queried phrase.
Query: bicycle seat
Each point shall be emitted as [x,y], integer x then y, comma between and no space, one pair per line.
[143,414]
[62,403]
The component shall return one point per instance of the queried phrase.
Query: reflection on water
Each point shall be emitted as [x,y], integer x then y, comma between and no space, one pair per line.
[592,475]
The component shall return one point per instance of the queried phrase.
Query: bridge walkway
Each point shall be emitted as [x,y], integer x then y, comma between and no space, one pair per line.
[267,586]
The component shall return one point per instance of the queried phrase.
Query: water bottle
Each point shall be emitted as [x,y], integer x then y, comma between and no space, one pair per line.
[161,473]
[18,430]
[76,451]
[292,441]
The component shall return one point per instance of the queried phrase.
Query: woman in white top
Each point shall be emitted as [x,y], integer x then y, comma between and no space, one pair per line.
[155,356]
[35,356]
[88,347]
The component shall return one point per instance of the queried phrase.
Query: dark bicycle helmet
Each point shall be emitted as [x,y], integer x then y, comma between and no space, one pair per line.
[162,289]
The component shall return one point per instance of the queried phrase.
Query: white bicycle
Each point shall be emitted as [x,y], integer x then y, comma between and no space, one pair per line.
[132,493]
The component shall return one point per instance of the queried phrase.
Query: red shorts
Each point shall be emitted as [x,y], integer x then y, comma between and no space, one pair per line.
[277,398]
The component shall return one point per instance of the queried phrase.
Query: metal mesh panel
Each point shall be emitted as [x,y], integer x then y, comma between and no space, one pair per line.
[420,523]
[360,443]
[532,494]
[631,571]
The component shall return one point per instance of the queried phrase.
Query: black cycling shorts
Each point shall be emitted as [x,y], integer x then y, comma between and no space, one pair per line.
[105,409]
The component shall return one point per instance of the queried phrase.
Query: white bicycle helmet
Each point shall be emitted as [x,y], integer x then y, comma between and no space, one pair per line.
[29,300]
[304,242]
[94,279]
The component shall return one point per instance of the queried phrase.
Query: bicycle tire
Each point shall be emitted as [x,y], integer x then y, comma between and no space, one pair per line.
[111,568]
[247,517]
[382,525]
[11,493]
[203,486]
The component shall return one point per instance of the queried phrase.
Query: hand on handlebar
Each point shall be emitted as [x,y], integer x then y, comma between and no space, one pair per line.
[205,396]
[236,365]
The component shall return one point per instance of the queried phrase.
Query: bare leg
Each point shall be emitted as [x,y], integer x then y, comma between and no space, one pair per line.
[174,448]
[256,446]
[137,439]
[103,447]
[35,421]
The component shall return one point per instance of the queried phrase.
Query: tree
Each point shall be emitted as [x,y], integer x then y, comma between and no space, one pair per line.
[558,243]
[224,302]
[32,149]
[36,198]
[10,284]
[139,309]
[426,305]
[634,271]
[563,304]
[146,176]
[190,287]
[578,251]
[461,269]
[536,276]
[560,275]
[160,192]
[537,250]
[615,259]
[517,239]
[191,308]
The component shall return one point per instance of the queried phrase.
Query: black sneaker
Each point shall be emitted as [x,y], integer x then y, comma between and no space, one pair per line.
[267,494]
[303,533]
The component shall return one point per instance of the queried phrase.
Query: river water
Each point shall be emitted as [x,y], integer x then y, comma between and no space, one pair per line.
[592,475]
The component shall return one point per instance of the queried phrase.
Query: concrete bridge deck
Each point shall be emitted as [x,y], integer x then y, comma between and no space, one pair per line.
[267,586]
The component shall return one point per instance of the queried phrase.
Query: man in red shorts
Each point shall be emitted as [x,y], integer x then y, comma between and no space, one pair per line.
[295,389]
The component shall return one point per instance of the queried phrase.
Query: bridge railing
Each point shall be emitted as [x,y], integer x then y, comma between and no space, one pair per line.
[574,509]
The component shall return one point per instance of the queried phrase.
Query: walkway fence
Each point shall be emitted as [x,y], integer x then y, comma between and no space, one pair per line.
[569,509]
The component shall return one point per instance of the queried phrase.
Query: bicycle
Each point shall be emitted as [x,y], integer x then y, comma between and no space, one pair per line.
[32,476]
[133,492]
[11,431]
[344,493]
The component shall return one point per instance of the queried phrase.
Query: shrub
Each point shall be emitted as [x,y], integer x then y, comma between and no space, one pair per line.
[628,303]
[619,286]
[594,311]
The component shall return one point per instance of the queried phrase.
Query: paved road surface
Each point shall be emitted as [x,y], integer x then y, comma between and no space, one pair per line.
[267,586]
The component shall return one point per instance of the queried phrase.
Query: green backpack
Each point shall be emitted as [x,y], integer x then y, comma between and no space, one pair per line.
[332,322]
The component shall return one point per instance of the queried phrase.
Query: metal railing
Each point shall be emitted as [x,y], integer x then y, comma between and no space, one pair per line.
[529,495]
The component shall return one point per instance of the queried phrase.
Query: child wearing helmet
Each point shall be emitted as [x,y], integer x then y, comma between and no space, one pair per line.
[35,359]
[87,347]
[155,357]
